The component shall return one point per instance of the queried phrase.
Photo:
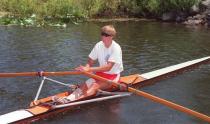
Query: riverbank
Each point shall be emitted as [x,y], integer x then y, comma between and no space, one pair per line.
[57,13]
[118,19]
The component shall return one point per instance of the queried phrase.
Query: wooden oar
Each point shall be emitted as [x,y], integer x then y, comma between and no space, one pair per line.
[41,73]
[155,98]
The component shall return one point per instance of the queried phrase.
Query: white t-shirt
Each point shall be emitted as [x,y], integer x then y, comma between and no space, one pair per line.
[111,54]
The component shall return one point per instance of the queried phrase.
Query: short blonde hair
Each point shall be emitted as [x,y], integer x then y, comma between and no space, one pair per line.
[109,29]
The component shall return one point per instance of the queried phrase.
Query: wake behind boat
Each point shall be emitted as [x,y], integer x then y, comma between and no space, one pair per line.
[45,107]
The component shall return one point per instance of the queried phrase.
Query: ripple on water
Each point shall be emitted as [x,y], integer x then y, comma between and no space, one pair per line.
[146,46]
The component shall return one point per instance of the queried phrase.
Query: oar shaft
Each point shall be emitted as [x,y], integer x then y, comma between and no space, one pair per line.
[18,74]
[62,73]
[170,104]
[154,98]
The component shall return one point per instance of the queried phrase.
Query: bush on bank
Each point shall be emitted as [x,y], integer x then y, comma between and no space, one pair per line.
[50,12]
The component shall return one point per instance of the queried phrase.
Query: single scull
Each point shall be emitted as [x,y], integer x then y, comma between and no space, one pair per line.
[43,110]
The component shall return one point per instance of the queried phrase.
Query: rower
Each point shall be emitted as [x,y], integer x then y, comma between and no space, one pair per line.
[109,56]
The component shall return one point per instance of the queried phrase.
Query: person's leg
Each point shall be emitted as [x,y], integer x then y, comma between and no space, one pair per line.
[89,88]
[107,86]
[91,91]
[77,94]
[81,92]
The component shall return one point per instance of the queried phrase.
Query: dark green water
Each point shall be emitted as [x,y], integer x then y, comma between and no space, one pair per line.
[146,46]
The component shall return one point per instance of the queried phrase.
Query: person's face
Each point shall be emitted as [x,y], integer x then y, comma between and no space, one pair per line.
[107,39]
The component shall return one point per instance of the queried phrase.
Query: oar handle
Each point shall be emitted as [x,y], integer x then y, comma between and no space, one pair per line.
[154,98]
[62,73]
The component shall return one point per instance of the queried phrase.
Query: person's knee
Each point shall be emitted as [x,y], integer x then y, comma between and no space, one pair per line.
[91,93]
[93,90]
[89,82]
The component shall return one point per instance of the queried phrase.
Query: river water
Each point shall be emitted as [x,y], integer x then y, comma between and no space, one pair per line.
[146,46]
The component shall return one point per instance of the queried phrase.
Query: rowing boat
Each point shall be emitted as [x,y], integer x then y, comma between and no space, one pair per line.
[43,110]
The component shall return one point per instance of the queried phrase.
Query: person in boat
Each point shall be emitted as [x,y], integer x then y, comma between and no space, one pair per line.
[108,53]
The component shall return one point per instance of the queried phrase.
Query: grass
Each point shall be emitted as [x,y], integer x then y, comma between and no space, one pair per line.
[41,12]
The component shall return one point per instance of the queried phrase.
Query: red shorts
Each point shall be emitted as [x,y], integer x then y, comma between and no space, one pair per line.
[107,76]
[113,77]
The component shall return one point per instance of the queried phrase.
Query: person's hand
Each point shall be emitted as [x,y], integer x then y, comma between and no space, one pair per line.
[82,68]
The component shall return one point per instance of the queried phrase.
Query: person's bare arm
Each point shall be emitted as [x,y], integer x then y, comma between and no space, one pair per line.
[88,67]
[104,68]
[90,63]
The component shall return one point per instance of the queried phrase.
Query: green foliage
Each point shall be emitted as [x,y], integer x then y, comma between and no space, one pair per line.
[181,4]
[62,9]
[130,6]
[19,7]
[66,11]
[89,7]
[161,6]
[111,5]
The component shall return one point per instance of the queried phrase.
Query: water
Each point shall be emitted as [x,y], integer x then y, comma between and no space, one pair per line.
[146,46]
